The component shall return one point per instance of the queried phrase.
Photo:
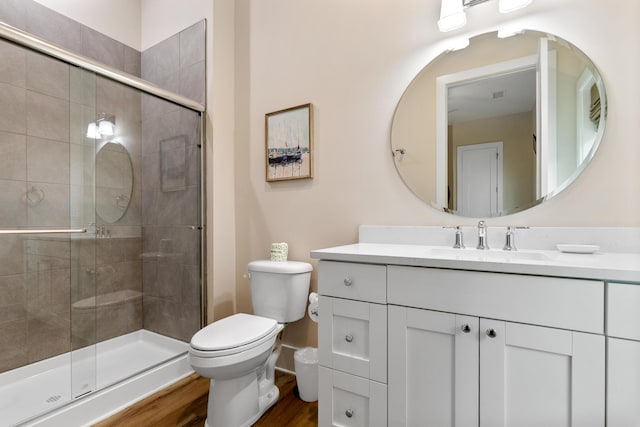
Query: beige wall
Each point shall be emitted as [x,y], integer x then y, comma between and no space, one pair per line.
[353,60]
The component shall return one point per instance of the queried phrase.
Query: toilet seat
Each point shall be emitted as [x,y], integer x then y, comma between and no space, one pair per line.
[234,334]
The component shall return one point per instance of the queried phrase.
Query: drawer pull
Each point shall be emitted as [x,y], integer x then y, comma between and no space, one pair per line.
[466,328]
[349,413]
[491,333]
[348,338]
[348,281]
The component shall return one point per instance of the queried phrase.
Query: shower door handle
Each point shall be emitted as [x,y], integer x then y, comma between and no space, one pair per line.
[44,231]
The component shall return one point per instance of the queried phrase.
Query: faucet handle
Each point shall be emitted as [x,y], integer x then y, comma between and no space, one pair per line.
[459,244]
[509,241]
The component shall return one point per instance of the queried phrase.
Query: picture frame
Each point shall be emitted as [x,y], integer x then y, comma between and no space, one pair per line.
[289,143]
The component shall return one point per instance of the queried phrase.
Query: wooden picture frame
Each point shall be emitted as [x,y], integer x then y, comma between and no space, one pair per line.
[289,143]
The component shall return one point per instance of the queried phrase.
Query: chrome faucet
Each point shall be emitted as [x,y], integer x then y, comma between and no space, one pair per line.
[482,236]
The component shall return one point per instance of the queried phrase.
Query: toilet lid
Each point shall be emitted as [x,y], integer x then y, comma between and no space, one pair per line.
[233,331]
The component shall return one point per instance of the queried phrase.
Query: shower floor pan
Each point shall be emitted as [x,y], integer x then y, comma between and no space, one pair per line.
[90,384]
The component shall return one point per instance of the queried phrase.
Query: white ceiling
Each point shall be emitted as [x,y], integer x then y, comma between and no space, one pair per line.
[480,99]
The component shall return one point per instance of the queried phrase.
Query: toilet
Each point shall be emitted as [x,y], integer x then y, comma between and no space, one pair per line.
[239,352]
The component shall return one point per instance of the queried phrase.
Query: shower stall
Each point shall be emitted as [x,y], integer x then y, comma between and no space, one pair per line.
[101,232]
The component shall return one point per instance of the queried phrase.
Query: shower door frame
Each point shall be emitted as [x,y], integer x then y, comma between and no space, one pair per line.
[36,44]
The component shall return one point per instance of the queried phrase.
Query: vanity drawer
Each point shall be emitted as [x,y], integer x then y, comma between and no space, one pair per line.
[623,315]
[547,301]
[352,337]
[349,401]
[362,282]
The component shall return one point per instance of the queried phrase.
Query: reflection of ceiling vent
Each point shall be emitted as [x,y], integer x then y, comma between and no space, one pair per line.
[469,3]
[499,94]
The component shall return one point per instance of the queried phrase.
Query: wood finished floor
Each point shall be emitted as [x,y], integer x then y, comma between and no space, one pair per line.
[184,404]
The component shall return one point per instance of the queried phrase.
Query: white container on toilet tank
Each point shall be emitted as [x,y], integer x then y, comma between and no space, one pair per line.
[279,290]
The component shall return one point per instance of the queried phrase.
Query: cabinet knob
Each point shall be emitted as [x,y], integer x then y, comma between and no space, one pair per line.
[349,413]
[348,281]
[348,338]
[466,328]
[491,333]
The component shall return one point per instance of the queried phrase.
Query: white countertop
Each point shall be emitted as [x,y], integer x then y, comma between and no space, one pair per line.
[609,266]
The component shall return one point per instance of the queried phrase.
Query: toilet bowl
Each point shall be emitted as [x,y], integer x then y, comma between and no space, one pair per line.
[239,352]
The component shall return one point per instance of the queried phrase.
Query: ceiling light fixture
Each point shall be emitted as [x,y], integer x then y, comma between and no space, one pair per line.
[452,15]
[506,6]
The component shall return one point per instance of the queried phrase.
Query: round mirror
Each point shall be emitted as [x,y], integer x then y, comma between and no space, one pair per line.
[114,181]
[500,125]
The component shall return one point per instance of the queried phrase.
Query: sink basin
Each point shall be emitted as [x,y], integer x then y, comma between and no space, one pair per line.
[487,255]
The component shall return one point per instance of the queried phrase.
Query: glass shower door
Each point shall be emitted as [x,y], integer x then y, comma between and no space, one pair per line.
[42,188]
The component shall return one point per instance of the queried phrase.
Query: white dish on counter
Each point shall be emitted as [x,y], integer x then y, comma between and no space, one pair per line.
[578,249]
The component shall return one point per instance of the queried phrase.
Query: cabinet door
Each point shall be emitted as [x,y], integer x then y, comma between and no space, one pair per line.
[349,401]
[532,376]
[433,368]
[623,383]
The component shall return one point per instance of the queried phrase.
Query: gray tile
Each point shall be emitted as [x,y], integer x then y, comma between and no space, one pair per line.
[47,117]
[178,207]
[12,290]
[82,86]
[12,258]
[13,341]
[161,59]
[53,210]
[192,82]
[12,203]
[47,76]
[129,275]
[80,116]
[13,60]
[13,108]
[47,336]
[192,44]
[102,48]
[190,285]
[154,107]
[14,13]
[47,161]
[13,156]
[54,27]
[132,61]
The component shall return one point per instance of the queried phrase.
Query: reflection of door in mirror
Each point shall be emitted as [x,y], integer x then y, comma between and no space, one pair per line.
[479,179]
[494,103]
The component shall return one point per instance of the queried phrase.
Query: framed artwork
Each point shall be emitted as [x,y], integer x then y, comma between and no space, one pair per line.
[289,143]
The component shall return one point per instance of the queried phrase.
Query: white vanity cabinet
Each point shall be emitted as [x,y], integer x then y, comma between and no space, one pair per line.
[352,350]
[623,355]
[419,346]
[454,370]
[459,366]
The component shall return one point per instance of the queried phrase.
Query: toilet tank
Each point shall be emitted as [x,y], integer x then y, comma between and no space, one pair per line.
[279,289]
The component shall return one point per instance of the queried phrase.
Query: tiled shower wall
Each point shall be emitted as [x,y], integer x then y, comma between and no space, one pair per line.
[44,108]
[170,196]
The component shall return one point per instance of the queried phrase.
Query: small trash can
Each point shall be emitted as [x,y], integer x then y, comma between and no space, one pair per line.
[306,363]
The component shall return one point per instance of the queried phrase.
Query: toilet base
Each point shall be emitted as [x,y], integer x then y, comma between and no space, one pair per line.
[238,403]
